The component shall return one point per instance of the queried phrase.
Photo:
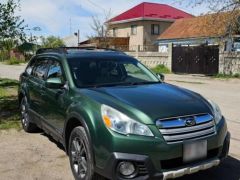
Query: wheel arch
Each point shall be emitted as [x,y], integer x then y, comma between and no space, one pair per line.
[74,120]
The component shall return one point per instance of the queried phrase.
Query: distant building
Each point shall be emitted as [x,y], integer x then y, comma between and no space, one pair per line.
[70,41]
[144,23]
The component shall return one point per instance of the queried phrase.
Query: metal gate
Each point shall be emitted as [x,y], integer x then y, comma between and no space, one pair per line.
[195,59]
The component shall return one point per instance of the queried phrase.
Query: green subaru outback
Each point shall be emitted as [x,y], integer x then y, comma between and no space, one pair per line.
[117,119]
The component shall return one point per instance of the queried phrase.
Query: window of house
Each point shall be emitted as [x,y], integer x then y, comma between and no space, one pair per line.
[114,32]
[133,29]
[155,29]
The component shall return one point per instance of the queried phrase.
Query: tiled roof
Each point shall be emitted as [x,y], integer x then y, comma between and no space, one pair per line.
[152,10]
[213,25]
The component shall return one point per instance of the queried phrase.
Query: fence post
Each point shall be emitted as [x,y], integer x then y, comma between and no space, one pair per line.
[169,63]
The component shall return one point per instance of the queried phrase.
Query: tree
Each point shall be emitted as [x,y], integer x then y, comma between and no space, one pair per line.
[11,25]
[224,14]
[52,42]
[217,5]
[101,27]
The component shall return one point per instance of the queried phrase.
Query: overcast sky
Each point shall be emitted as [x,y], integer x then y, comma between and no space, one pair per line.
[53,16]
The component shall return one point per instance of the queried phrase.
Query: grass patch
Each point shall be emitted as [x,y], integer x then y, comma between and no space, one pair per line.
[13,61]
[161,69]
[9,112]
[227,76]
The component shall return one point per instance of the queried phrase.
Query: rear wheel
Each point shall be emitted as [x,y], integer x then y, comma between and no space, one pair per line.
[25,118]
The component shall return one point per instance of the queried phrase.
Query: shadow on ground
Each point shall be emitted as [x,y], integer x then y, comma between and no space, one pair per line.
[229,169]
[58,144]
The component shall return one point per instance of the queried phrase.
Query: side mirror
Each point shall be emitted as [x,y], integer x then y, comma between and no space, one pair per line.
[161,77]
[54,83]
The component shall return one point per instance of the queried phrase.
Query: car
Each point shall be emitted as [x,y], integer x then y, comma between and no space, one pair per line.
[117,119]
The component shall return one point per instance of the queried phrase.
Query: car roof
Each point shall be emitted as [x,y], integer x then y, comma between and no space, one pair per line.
[75,52]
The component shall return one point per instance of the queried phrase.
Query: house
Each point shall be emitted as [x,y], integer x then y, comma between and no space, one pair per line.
[120,43]
[212,29]
[71,40]
[144,23]
[199,44]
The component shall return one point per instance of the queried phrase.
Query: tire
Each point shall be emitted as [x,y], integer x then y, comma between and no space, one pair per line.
[25,118]
[80,155]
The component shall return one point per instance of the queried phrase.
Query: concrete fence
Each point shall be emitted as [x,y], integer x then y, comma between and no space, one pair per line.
[229,62]
[152,59]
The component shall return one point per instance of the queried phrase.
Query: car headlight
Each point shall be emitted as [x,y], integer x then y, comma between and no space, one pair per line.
[217,112]
[121,123]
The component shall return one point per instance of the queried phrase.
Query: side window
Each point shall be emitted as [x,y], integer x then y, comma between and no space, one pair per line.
[40,69]
[30,66]
[55,71]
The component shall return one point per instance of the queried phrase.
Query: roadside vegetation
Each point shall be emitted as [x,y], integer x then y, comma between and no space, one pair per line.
[9,113]
[161,69]
[227,76]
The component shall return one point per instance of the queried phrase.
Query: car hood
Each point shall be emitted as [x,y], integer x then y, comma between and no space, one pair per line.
[156,100]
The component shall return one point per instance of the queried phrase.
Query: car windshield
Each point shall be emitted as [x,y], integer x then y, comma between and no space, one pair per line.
[97,72]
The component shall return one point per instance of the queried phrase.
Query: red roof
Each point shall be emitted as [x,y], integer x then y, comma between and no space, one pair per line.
[152,11]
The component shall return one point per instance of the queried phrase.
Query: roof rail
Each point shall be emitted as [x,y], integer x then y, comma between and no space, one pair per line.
[65,50]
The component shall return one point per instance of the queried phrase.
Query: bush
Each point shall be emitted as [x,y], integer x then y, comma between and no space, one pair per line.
[13,61]
[237,75]
[161,69]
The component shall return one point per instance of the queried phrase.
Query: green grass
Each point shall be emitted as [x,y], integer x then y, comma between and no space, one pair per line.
[227,76]
[13,61]
[161,69]
[9,112]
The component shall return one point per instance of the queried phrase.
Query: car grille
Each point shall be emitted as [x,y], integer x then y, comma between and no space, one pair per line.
[177,129]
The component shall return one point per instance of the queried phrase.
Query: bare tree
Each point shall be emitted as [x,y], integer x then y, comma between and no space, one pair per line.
[101,30]
[222,15]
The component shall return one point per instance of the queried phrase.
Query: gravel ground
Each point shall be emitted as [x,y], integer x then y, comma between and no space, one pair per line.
[36,156]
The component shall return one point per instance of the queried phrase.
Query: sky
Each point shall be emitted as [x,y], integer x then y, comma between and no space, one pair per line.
[64,17]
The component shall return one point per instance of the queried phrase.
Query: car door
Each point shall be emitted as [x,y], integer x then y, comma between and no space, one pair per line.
[57,99]
[36,84]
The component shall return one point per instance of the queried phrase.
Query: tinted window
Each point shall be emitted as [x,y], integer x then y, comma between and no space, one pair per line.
[40,68]
[55,70]
[30,66]
[94,72]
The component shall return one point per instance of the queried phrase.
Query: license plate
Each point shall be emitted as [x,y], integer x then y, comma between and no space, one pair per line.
[194,151]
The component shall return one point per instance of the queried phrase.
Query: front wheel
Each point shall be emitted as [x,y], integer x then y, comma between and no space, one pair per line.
[80,155]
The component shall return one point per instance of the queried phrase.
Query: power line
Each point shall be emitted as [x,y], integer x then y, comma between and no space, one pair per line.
[96,5]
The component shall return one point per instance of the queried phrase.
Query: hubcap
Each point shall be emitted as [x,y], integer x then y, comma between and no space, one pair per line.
[79,157]
[24,114]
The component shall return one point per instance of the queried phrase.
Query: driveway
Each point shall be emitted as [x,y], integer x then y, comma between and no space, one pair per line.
[37,156]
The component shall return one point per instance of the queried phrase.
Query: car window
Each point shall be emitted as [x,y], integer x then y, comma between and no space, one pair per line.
[55,71]
[40,69]
[30,66]
[99,71]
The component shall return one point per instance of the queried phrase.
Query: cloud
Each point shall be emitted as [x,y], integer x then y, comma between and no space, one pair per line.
[53,16]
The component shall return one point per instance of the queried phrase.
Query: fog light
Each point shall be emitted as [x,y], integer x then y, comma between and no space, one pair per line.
[126,168]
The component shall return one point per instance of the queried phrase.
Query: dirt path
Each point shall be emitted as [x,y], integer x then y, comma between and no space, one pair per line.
[31,157]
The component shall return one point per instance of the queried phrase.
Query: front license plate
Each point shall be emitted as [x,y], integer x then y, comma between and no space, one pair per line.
[194,151]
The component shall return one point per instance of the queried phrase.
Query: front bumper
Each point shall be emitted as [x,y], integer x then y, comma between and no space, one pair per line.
[162,161]
[146,169]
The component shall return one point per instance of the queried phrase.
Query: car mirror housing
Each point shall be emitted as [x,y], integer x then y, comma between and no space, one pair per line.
[54,83]
[161,76]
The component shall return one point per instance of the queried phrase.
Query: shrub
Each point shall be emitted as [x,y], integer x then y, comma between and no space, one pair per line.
[13,61]
[161,69]
[237,75]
